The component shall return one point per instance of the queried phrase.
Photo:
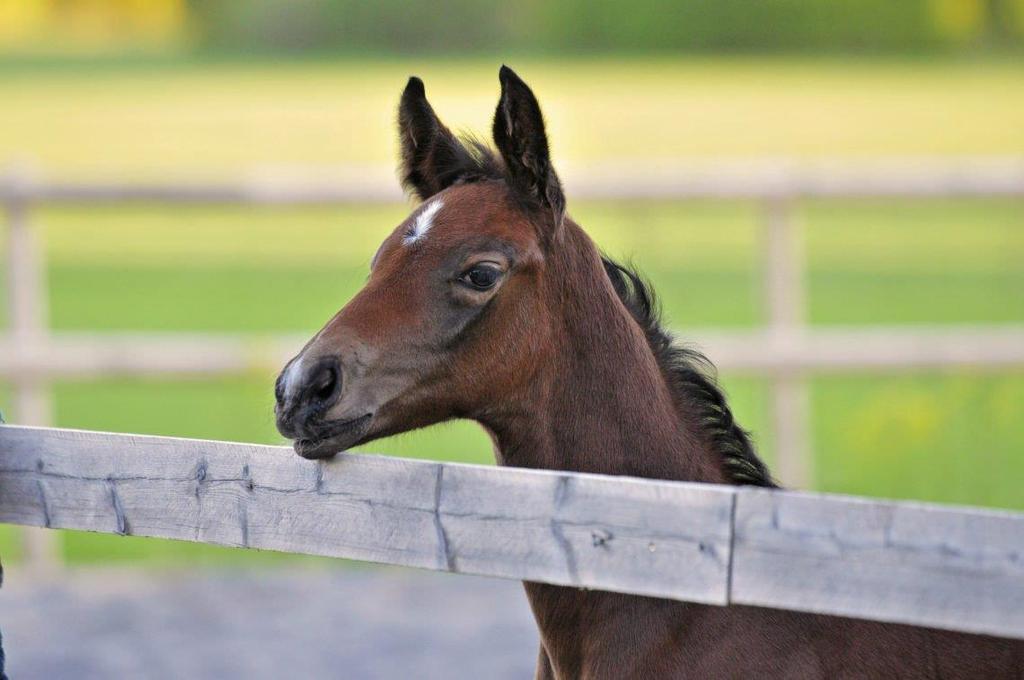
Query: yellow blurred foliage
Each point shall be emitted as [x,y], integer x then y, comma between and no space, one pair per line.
[91,25]
[22,20]
[905,417]
[961,21]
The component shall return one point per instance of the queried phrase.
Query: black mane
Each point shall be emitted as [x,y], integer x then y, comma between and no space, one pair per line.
[691,377]
[690,374]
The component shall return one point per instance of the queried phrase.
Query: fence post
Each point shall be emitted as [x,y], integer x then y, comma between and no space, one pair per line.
[785,302]
[27,323]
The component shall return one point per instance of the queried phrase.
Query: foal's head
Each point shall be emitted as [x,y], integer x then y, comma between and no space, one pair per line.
[453,314]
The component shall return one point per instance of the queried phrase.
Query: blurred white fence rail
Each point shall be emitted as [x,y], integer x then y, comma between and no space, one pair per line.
[943,567]
[784,349]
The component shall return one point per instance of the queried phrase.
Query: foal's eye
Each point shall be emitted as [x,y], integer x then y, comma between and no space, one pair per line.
[480,277]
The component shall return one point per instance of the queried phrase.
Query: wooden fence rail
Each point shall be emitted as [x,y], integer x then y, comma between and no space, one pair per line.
[776,180]
[82,355]
[954,568]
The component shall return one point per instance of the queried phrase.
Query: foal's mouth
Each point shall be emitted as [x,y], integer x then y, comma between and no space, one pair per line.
[332,437]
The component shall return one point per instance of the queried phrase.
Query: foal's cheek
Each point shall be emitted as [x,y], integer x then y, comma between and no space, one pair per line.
[454,324]
[458,319]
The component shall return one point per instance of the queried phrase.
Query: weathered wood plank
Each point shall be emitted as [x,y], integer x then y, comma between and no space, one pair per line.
[955,568]
[610,533]
[657,538]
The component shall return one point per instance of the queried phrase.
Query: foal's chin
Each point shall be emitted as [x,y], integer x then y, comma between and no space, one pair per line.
[334,437]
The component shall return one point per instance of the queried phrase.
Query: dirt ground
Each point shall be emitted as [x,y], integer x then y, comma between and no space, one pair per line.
[281,624]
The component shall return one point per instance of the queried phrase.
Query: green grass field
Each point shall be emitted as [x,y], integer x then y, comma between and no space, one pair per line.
[223,118]
[954,437]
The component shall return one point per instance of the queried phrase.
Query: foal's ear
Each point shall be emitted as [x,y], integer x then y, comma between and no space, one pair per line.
[519,135]
[432,157]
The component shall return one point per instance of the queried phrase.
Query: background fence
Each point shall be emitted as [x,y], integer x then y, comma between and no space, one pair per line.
[784,350]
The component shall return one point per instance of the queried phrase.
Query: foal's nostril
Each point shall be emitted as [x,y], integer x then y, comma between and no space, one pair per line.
[323,389]
[322,385]
[305,391]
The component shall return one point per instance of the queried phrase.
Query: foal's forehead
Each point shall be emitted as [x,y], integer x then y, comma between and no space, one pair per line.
[461,212]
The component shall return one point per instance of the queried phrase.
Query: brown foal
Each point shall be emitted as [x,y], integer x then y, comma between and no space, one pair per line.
[490,303]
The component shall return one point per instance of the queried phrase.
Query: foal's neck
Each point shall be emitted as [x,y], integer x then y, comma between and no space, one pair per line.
[600,401]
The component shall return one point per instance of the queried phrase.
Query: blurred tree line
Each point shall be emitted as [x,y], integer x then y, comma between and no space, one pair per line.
[551,26]
[543,26]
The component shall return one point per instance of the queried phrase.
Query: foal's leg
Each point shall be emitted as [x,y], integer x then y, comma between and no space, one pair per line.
[544,670]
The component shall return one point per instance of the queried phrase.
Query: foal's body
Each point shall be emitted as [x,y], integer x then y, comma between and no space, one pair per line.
[489,303]
[605,406]
[607,635]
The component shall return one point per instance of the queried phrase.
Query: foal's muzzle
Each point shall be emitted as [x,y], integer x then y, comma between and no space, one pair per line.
[305,391]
